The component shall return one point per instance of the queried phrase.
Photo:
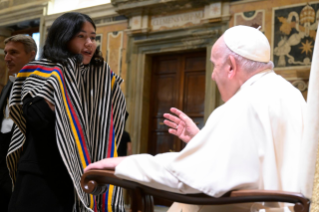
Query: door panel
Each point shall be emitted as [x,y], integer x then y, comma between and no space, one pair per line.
[167,65]
[165,98]
[194,63]
[194,93]
[178,80]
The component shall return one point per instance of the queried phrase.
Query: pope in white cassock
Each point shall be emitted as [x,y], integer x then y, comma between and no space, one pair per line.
[250,142]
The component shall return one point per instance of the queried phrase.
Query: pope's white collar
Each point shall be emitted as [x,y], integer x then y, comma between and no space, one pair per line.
[254,78]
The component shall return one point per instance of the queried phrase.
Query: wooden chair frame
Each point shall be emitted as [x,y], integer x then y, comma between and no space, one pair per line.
[96,182]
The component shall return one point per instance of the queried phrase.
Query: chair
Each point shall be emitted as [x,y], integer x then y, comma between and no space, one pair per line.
[96,181]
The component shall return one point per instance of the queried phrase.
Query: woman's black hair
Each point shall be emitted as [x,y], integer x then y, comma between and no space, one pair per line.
[63,29]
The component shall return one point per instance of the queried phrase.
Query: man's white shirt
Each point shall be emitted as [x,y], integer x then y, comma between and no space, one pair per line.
[7,122]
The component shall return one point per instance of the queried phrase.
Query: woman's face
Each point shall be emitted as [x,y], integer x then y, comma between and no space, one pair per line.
[84,42]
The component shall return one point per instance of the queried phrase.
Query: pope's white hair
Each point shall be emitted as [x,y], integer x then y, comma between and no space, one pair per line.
[246,64]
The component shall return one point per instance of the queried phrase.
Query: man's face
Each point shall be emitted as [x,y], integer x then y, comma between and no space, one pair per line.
[16,56]
[220,71]
[226,71]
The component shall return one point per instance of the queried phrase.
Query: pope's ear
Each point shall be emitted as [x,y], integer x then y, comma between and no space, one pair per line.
[233,67]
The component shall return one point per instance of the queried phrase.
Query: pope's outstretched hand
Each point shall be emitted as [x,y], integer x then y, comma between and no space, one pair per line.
[180,125]
[107,163]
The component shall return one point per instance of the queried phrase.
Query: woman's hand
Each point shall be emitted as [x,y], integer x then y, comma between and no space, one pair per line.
[52,107]
[180,125]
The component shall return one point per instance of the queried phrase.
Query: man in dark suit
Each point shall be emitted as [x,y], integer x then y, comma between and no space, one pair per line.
[19,50]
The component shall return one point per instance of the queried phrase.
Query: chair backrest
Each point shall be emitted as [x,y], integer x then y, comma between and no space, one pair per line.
[309,163]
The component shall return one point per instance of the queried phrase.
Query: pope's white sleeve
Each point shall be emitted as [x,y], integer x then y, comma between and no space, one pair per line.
[150,170]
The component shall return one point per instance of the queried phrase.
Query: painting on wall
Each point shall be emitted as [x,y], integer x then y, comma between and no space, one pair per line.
[294,33]
[98,40]
[254,19]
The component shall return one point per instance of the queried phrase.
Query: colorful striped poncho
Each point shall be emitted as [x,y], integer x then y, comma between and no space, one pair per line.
[90,115]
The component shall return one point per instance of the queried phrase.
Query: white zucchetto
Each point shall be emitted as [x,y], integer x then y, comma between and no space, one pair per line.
[248,42]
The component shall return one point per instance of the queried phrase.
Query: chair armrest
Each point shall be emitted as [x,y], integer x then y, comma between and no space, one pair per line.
[95,181]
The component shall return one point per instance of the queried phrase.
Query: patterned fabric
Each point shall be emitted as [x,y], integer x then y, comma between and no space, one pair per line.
[90,115]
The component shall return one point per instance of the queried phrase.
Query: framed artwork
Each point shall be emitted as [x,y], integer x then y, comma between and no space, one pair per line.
[254,19]
[293,35]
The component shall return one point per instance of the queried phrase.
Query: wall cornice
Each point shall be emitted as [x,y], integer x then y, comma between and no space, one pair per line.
[20,13]
[131,8]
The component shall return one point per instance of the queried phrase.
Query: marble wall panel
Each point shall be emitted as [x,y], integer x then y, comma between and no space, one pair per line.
[294,33]
[114,50]
[111,52]
[253,18]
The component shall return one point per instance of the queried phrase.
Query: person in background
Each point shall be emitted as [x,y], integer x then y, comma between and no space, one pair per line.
[125,147]
[19,50]
[252,141]
[69,111]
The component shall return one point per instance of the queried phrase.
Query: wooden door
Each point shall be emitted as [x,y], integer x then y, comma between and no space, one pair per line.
[178,80]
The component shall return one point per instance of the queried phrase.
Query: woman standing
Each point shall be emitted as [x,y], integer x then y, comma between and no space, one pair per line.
[69,111]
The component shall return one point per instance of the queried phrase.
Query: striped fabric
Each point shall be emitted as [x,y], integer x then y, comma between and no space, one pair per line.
[90,115]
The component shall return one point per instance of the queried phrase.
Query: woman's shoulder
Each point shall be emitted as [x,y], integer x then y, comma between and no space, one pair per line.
[42,62]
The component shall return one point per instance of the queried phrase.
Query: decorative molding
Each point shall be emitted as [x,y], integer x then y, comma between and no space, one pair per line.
[193,42]
[109,20]
[131,8]
[20,13]
[245,2]
[167,37]
[176,21]
[212,13]
[300,85]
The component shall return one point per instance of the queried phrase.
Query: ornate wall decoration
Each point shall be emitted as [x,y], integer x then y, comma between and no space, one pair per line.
[301,85]
[251,18]
[114,51]
[294,33]
[176,21]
